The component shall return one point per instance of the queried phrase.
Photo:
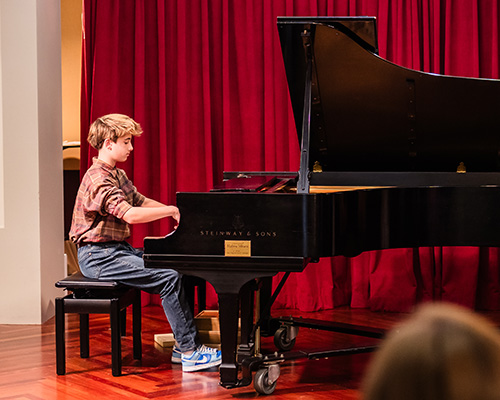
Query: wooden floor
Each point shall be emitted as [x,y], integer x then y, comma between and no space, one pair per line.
[28,368]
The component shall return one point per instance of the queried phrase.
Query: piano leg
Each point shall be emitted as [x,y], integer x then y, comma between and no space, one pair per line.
[265,311]
[228,318]
[247,344]
[243,358]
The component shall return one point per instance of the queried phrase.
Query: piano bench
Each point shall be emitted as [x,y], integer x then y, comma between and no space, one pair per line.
[92,296]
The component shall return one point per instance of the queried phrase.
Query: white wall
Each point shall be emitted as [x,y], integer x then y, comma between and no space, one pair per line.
[31,240]
[2,190]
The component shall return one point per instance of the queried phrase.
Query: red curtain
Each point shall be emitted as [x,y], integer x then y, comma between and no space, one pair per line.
[206,81]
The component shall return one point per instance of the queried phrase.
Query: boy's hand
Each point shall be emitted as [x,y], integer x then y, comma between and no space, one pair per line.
[151,211]
[176,215]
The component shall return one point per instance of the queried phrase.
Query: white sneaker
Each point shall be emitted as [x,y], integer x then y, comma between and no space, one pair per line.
[176,355]
[202,358]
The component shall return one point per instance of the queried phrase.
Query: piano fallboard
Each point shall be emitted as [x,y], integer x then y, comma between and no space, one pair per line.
[281,225]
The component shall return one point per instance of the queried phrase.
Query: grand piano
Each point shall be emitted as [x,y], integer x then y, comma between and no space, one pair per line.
[390,158]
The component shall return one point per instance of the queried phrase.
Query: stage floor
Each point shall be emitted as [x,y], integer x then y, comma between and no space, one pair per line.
[28,362]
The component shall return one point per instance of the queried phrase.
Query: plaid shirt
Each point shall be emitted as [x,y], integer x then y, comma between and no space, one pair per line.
[104,196]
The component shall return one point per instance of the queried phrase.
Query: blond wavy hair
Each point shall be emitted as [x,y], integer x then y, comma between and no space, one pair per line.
[111,126]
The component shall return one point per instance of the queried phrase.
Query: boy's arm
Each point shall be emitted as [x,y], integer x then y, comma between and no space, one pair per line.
[151,203]
[151,210]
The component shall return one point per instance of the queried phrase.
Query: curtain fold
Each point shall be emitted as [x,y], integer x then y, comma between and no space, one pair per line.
[206,81]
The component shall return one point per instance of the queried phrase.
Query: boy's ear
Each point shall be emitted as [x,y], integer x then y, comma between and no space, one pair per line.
[107,143]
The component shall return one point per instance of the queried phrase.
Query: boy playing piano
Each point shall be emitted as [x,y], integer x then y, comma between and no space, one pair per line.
[106,203]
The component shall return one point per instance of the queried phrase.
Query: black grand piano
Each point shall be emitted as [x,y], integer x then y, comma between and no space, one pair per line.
[390,158]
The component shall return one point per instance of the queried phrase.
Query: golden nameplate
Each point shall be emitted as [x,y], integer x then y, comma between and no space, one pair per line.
[237,248]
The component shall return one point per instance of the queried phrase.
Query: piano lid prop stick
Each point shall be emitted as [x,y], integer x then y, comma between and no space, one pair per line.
[303,183]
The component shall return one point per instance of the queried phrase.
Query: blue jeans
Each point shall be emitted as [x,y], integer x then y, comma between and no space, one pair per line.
[123,263]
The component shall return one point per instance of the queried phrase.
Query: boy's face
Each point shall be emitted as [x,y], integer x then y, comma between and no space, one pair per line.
[120,150]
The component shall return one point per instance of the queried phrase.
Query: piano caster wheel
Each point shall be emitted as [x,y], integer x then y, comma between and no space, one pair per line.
[266,378]
[284,337]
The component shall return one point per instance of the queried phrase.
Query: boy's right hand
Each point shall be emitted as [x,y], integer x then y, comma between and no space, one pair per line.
[176,215]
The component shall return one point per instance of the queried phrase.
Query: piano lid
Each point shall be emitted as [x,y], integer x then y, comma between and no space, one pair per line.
[368,114]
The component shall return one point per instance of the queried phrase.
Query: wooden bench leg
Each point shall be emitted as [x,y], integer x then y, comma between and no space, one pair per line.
[60,338]
[84,336]
[116,308]
[123,322]
[116,346]
[137,325]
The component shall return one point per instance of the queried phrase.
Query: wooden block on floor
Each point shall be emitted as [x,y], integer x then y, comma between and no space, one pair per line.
[212,338]
[207,320]
[165,339]
[209,337]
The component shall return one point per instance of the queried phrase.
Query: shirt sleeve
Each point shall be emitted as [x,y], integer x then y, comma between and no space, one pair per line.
[133,196]
[139,199]
[115,203]
[105,199]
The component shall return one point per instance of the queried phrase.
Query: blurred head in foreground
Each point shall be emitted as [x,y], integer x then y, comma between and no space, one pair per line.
[441,352]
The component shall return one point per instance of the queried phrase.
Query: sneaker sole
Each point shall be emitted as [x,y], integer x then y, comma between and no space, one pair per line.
[192,368]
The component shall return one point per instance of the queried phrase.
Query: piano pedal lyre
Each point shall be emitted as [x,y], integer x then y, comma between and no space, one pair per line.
[257,337]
